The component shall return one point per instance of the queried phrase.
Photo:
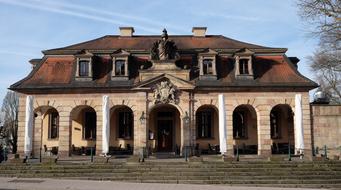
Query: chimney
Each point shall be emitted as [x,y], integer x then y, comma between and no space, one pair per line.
[126,31]
[199,31]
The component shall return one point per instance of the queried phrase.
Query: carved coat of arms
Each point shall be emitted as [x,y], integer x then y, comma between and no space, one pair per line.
[164,93]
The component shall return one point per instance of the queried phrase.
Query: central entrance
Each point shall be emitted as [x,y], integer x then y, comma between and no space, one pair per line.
[164,129]
[165,135]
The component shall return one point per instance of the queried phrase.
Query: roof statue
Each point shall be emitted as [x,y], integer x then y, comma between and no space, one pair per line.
[164,49]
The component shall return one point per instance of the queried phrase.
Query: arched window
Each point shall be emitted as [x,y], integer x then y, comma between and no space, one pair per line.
[275,125]
[239,124]
[125,124]
[53,125]
[204,124]
[89,127]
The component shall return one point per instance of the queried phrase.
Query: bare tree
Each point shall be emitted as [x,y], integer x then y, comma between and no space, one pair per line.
[10,107]
[327,68]
[325,17]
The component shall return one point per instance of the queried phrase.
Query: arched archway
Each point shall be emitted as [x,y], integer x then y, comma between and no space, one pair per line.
[46,130]
[282,129]
[245,130]
[83,130]
[121,130]
[164,129]
[207,129]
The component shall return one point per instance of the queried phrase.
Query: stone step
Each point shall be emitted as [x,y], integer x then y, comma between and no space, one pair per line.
[179,170]
[196,180]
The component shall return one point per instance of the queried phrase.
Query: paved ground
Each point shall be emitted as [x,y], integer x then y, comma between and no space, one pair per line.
[56,184]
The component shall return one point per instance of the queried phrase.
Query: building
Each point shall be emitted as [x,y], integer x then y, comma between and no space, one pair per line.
[123,93]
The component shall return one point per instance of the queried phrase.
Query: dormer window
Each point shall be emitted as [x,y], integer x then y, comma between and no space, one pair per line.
[120,68]
[120,65]
[84,66]
[243,64]
[207,65]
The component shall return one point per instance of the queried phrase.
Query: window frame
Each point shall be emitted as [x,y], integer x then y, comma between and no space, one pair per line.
[124,64]
[82,56]
[53,116]
[207,68]
[211,71]
[86,124]
[275,120]
[206,126]
[240,128]
[127,126]
[244,66]
[86,68]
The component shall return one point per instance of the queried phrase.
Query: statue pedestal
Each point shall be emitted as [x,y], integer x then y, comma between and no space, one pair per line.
[160,67]
[164,65]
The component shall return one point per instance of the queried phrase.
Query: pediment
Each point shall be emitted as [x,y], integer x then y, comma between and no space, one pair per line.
[120,52]
[208,52]
[244,51]
[84,53]
[178,82]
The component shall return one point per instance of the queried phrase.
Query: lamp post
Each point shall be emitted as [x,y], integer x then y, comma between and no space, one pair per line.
[186,120]
[143,118]
[143,149]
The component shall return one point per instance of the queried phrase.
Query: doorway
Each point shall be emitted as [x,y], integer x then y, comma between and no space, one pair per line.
[165,135]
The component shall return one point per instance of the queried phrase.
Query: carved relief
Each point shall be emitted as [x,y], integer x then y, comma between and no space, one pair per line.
[164,93]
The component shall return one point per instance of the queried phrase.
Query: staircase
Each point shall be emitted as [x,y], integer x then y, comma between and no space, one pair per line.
[326,174]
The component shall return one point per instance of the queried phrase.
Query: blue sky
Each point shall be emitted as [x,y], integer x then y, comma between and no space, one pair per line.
[30,26]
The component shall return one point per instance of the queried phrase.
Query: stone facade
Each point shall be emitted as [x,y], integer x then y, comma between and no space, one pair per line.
[141,102]
[168,104]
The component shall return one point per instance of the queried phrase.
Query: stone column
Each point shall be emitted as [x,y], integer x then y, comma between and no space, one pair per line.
[38,130]
[65,127]
[307,127]
[299,141]
[140,132]
[106,125]
[229,130]
[99,123]
[264,131]
[141,120]
[182,134]
[29,113]
[222,124]
[21,124]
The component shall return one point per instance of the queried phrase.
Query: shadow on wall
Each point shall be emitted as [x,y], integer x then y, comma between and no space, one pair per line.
[262,66]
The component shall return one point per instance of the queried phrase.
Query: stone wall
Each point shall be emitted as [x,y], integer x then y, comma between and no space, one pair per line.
[142,103]
[326,126]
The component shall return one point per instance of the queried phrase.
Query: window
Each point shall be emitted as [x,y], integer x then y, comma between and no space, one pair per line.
[239,125]
[89,126]
[207,66]
[53,125]
[120,68]
[83,68]
[125,125]
[204,124]
[243,66]
[274,123]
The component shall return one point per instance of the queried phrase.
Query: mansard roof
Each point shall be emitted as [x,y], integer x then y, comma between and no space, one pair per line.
[144,43]
[272,69]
